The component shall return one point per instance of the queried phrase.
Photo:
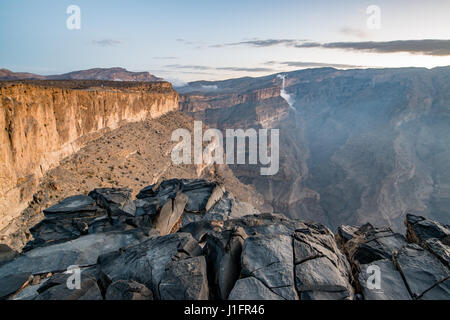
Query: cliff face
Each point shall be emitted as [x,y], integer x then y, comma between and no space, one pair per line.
[43,122]
[190,239]
[361,145]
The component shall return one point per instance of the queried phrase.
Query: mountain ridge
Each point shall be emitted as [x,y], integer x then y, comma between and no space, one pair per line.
[111,74]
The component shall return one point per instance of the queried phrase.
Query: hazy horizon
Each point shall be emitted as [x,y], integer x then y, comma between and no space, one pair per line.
[201,40]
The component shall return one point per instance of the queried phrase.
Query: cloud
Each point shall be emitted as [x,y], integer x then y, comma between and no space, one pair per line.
[429,47]
[196,44]
[205,68]
[260,43]
[302,64]
[191,67]
[106,42]
[359,33]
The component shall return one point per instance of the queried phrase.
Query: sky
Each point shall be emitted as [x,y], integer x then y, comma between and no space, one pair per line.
[186,40]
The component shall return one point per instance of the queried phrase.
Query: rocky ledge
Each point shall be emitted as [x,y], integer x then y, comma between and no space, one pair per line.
[190,239]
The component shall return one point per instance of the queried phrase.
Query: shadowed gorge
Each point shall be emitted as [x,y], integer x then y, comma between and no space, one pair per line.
[361,145]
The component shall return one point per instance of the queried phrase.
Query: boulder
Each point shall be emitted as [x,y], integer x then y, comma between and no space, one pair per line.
[419,229]
[391,285]
[431,235]
[89,290]
[83,251]
[372,244]
[146,207]
[439,292]
[270,259]
[169,219]
[322,271]
[29,292]
[315,240]
[422,272]
[6,253]
[185,279]
[11,283]
[116,201]
[217,194]
[252,289]
[223,253]
[128,290]
[198,192]
[66,220]
[74,204]
[347,233]
[322,276]
[146,262]
[439,249]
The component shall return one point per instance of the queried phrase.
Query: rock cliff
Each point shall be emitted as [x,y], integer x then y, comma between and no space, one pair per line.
[193,240]
[43,122]
[356,146]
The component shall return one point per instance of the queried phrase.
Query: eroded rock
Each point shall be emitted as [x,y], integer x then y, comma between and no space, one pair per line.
[128,290]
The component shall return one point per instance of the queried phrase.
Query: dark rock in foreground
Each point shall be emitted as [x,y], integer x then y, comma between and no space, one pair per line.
[191,240]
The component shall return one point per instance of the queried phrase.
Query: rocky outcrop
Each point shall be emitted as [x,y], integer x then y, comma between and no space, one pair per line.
[405,270]
[237,257]
[357,146]
[44,121]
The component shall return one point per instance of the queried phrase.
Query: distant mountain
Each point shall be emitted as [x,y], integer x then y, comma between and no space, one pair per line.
[112,74]
[6,74]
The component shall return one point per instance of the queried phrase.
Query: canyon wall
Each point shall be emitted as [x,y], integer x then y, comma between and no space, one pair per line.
[43,122]
[357,146]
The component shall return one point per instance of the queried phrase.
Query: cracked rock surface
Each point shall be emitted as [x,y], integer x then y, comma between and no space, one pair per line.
[192,240]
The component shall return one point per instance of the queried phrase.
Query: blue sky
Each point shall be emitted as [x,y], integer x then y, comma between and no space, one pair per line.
[191,40]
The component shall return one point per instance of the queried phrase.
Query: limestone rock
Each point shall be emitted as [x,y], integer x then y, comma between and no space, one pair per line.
[270,259]
[146,262]
[128,290]
[116,201]
[422,271]
[170,214]
[6,253]
[198,192]
[83,251]
[223,253]
[11,283]
[252,289]
[185,279]
[372,244]
[420,229]
[391,286]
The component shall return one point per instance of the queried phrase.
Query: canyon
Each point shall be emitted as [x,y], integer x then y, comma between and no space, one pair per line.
[87,181]
[356,146]
[64,137]
[42,123]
